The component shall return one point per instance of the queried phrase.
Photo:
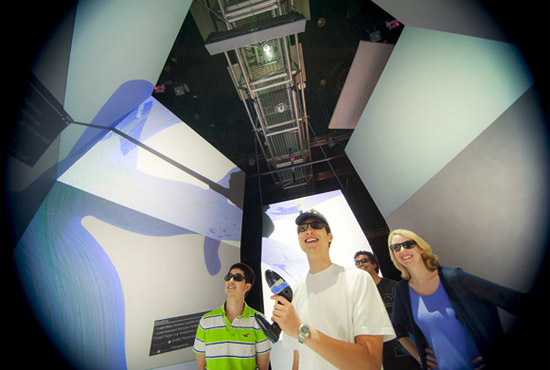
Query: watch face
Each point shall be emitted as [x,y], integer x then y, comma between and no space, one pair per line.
[304,333]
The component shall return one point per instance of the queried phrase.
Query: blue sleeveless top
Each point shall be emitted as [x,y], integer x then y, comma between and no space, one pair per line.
[454,348]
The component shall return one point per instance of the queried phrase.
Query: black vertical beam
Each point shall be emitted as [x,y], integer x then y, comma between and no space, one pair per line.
[251,239]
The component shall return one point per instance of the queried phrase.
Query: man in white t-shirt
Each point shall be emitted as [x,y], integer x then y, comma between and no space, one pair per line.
[337,319]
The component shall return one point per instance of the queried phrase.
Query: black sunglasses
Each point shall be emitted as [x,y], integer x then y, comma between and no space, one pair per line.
[317,225]
[362,260]
[407,245]
[237,277]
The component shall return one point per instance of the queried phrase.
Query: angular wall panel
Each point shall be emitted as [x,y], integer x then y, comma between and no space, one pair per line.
[438,92]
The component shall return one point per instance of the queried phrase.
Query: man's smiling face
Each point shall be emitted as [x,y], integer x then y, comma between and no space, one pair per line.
[314,240]
[235,288]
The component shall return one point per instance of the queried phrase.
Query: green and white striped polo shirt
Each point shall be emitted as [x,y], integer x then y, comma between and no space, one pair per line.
[230,345]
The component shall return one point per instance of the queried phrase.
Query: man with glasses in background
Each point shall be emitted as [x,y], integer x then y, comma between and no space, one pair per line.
[368,262]
[229,337]
[336,319]
[394,357]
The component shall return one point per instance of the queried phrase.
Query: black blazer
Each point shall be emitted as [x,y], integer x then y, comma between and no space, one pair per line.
[475,302]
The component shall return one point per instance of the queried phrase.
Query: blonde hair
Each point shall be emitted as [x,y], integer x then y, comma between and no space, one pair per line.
[430,259]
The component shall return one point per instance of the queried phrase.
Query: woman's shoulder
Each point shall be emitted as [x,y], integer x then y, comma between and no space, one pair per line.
[451,272]
[402,285]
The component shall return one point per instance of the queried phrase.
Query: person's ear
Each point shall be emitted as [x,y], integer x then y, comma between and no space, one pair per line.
[247,287]
[330,237]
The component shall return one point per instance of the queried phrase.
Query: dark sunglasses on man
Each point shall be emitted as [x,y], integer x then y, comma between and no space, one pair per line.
[317,225]
[362,260]
[409,244]
[236,277]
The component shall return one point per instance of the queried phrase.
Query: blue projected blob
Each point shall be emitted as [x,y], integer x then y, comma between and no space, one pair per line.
[70,282]
[211,256]
[134,129]
[281,211]
[124,100]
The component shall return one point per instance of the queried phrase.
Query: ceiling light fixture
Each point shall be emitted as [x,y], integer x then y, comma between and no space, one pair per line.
[268,52]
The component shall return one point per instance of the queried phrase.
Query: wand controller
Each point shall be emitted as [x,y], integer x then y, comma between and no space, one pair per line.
[278,286]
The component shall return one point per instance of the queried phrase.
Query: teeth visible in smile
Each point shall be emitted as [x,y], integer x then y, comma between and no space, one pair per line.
[406,258]
[311,240]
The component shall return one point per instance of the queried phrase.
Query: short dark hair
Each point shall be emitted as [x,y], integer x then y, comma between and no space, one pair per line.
[249,275]
[372,258]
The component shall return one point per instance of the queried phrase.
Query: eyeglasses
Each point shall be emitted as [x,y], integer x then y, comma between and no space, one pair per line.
[317,225]
[236,277]
[362,260]
[407,245]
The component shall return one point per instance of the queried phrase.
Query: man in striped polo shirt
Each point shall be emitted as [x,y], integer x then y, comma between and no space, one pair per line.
[229,337]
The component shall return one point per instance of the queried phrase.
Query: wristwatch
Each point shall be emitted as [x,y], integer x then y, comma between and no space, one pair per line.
[303,333]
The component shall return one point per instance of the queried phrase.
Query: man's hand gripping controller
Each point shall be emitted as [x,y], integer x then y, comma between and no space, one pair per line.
[278,286]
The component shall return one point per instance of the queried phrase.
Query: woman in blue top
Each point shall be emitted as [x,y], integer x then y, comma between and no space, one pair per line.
[451,314]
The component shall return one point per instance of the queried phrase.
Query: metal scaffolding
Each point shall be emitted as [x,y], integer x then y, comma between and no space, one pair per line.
[269,77]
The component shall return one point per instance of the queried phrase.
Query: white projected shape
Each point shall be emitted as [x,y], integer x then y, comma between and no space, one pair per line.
[182,144]
[162,277]
[121,171]
[438,92]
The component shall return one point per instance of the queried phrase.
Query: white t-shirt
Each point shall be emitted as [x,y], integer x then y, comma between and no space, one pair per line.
[341,302]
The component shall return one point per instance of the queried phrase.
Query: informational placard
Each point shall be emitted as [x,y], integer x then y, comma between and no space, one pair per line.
[174,333]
